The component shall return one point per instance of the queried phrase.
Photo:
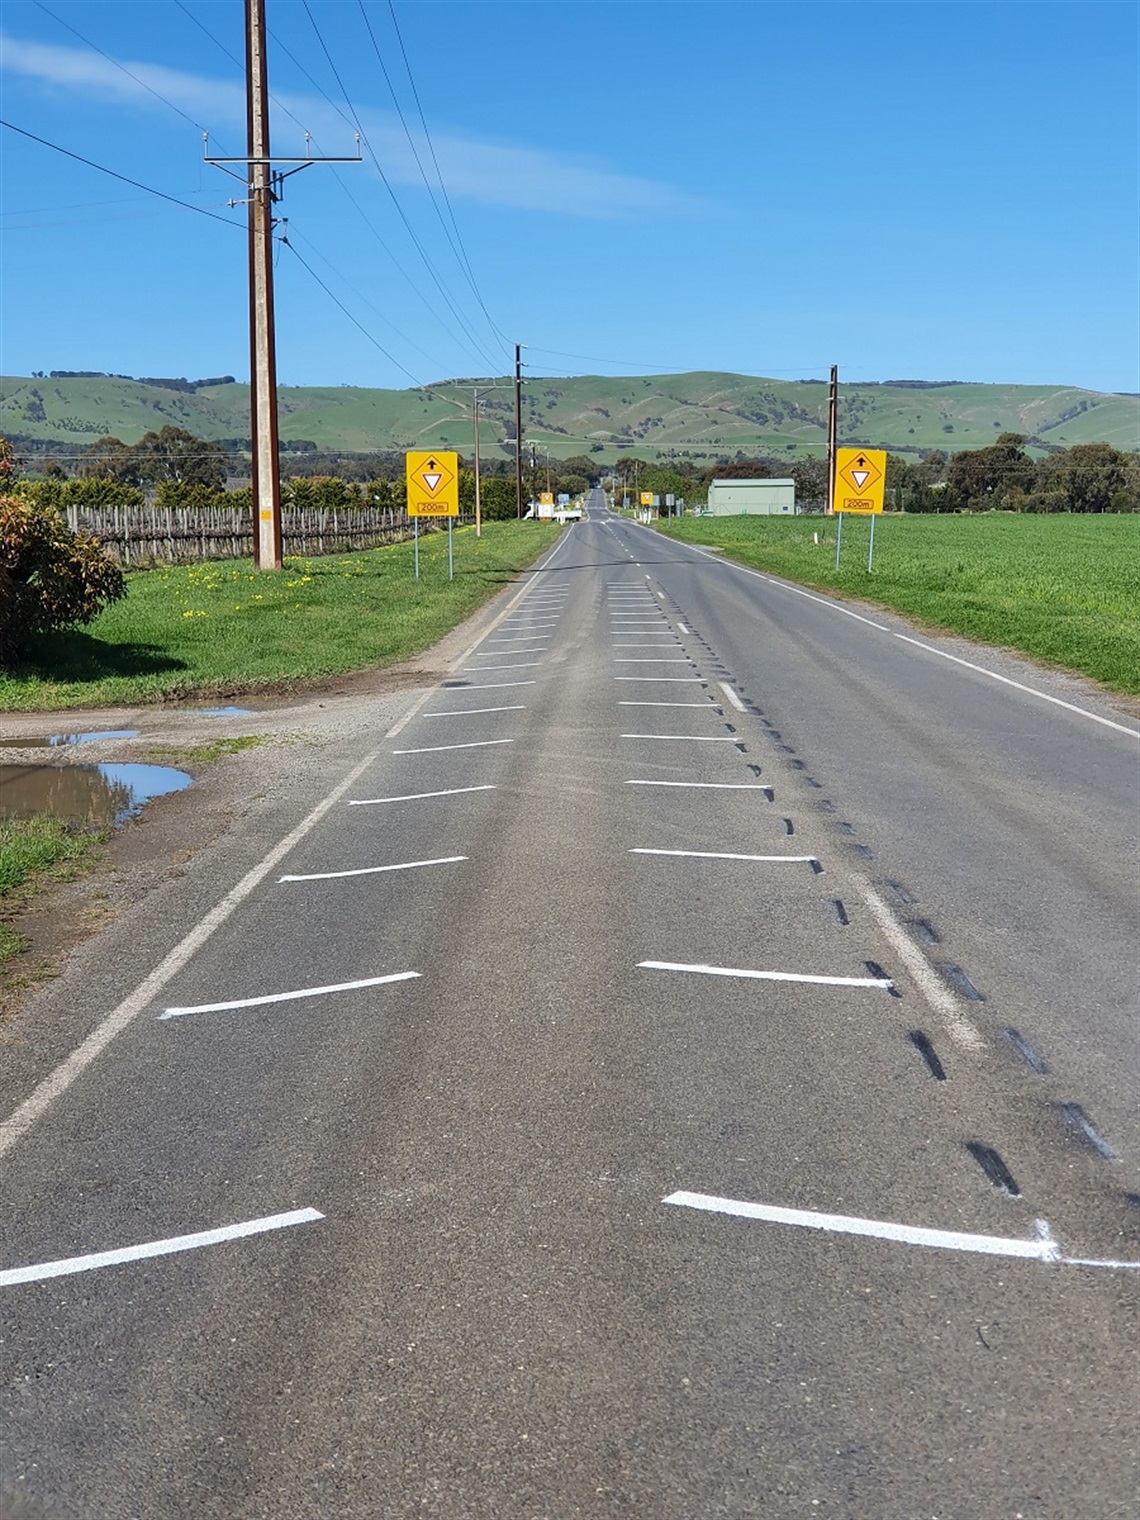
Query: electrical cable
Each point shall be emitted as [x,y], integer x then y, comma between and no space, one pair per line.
[456,242]
[419,384]
[137,184]
[120,66]
[362,297]
[202,27]
[395,201]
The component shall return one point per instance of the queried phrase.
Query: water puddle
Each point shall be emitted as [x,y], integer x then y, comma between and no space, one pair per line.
[221,712]
[54,741]
[102,795]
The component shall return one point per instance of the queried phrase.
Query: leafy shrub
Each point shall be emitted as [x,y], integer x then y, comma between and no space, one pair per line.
[50,578]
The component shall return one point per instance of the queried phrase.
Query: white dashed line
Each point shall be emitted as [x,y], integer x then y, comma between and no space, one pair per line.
[1041,1248]
[770,976]
[436,749]
[152,1248]
[731,695]
[407,865]
[473,712]
[453,791]
[289,997]
[718,855]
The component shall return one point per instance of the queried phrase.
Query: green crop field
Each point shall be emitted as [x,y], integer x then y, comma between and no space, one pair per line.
[224,628]
[1064,589]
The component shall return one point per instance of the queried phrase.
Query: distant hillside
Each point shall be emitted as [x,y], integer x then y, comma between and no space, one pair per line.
[697,415]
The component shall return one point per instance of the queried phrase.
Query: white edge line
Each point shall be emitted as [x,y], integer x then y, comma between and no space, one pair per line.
[407,865]
[289,997]
[58,1081]
[731,695]
[718,855]
[169,1247]
[435,749]
[770,976]
[1042,1248]
[453,791]
[958,1026]
[942,654]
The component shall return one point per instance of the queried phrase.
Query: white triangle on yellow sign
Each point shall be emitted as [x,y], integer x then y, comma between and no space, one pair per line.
[433,480]
[859,476]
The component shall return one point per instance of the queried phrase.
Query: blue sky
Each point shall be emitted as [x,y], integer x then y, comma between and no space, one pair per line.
[909,190]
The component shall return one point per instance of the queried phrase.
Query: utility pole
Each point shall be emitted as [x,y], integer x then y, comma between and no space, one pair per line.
[263,190]
[478,498]
[262,337]
[832,435]
[518,427]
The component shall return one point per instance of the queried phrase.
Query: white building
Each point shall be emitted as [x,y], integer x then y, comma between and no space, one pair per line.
[766,498]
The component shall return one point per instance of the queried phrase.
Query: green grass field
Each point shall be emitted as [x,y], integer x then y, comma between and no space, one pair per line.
[30,849]
[1064,589]
[222,627]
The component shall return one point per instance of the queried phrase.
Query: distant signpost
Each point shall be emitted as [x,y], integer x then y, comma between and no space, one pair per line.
[860,481]
[433,491]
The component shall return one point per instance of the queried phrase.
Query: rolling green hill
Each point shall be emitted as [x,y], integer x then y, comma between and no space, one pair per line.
[698,415]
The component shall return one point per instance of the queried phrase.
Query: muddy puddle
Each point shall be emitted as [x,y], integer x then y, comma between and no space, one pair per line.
[103,796]
[221,712]
[56,741]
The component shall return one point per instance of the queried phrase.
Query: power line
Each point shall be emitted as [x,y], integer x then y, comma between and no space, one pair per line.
[395,201]
[137,184]
[202,27]
[361,296]
[457,245]
[95,48]
[419,384]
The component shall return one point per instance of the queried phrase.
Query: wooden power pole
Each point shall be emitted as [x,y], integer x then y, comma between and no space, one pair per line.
[262,337]
[263,184]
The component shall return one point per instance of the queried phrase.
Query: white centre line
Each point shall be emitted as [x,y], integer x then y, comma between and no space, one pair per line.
[716,786]
[471,712]
[718,855]
[151,1248]
[453,791]
[770,976]
[731,695]
[691,738]
[435,749]
[1042,1248]
[289,997]
[407,865]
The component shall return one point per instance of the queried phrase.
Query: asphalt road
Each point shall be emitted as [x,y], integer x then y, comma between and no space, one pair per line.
[705,1087]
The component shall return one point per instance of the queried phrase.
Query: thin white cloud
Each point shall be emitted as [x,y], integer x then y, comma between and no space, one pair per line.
[499,174]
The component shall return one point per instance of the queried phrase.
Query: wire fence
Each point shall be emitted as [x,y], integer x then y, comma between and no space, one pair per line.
[138,536]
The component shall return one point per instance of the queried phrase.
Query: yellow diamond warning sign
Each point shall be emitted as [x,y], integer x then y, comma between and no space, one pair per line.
[860,477]
[433,483]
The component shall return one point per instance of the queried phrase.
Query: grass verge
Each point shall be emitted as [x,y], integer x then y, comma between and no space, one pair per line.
[30,850]
[223,627]
[1064,589]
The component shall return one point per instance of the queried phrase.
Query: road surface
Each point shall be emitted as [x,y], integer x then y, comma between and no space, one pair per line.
[682,1066]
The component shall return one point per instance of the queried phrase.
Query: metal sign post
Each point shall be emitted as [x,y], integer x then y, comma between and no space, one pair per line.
[433,491]
[416,541]
[860,481]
